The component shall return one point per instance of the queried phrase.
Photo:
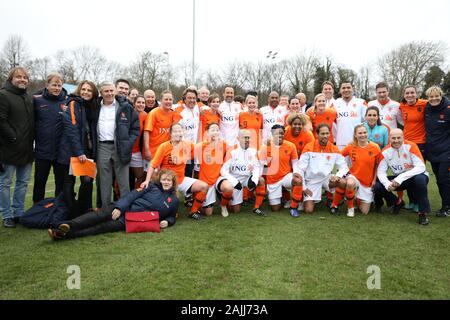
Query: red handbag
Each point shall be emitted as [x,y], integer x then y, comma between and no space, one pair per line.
[147,221]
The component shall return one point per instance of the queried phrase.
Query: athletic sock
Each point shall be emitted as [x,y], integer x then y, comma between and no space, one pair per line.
[199,197]
[350,195]
[260,193]
[226,197]
[338,196]
[297,195]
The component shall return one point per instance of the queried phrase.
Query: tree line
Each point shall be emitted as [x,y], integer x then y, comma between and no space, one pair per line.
[419,63]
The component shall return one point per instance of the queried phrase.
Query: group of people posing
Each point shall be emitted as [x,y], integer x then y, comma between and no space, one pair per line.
[214,150]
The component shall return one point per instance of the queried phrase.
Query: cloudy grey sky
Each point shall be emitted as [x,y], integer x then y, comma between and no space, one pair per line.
[354,32]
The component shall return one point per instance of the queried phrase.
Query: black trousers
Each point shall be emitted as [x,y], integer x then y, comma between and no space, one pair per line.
[416,185]
[41,173]
[84,202]
[92,223]
[442,173]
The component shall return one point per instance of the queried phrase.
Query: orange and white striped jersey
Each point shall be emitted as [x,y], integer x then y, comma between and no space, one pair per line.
[190,120]
[173,157]
[316,163]
[280,160]
[390,112]
[271,116]
[211,159]
[405,163]
[414,120]
[240,165]
[229,121]
[349,115]
[364,161]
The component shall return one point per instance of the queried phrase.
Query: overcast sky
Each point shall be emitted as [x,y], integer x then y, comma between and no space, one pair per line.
[354,32]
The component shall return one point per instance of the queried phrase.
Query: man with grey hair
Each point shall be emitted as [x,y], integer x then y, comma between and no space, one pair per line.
[302,99]
[150,100]
[117,130]
[203,95]
[16,144]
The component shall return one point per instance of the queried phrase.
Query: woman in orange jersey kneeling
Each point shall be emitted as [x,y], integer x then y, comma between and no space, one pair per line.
[364,157]
[210,155]
[173,155]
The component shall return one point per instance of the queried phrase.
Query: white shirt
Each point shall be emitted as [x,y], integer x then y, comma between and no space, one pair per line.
[241,165]
[229,121]
[190,121]
[272,116]
[405,163]
[107,122]
[349,115]
[390,113]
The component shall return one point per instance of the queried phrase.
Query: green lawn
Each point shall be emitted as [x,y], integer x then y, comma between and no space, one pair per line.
[240,257]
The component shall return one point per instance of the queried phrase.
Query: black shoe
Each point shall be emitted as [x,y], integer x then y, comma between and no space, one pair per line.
[259,212]
[334,211]
[397,207]
[423,220]
[443,213]
[196,216]
[9,223]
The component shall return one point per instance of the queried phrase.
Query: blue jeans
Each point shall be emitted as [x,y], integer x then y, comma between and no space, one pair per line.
[23,174]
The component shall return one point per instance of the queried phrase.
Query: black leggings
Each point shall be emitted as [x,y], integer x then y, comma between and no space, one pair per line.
[442,173]
[92,223]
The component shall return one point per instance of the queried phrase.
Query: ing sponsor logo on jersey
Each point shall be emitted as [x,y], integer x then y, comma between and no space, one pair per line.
[228,118]
[351,114]
[191,126]
[238,168]
[164,130]
[269,121]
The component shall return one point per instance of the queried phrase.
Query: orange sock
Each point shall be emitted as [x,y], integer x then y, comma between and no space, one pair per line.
[246,194]
[260,192]
[199,197]
[329,196]
[226,197]
[350,194]
[400,194]
[338,196]
[297,195]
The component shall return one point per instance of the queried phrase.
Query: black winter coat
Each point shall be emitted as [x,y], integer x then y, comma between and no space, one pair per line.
[16,126]
[153,198]
[49,110]
[437,128]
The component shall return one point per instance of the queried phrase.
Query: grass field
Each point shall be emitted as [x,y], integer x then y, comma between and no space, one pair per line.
[243,256]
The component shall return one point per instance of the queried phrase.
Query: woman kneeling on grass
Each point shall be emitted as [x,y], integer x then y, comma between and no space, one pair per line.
[158,196]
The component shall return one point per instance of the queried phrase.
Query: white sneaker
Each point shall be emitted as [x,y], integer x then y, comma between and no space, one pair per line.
[287,205]
[351,212]
[224,211]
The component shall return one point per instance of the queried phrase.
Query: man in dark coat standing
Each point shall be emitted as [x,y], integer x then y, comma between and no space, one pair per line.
[16,144]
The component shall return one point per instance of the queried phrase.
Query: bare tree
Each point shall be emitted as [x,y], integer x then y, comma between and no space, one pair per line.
[148,70]
[279,76]
[257,76]
[409,63]
[213,80]
[15,52]
[233,75]
[363,82]
[301,71]
[40,68]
